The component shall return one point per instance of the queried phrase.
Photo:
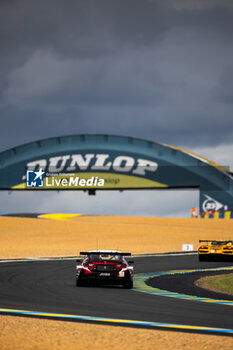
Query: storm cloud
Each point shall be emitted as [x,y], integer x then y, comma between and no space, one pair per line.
[158,70]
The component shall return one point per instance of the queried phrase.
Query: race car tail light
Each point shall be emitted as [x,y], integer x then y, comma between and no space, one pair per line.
[228,248]
[203,247]
[89,265]
[120,266]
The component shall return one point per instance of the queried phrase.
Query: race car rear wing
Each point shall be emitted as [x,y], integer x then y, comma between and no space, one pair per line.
[212,240]
[105,252]
[206,240]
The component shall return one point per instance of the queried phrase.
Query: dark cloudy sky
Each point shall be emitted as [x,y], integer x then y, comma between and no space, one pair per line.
[157,69]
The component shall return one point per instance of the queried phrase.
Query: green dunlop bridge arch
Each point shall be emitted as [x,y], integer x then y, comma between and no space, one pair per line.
[123,163]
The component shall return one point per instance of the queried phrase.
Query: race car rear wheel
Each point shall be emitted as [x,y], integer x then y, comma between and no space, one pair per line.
[202,257]
[128,284]
[79,282]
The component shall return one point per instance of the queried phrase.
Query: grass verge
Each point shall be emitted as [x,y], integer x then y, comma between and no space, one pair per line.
[220,283]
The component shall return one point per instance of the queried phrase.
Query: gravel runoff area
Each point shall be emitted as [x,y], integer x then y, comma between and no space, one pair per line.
[29,237]
[18,333]
[26,237]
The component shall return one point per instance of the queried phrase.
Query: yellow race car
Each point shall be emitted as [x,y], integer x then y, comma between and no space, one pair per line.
[213,250]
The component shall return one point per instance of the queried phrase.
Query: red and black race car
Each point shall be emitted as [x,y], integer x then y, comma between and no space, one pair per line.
[104,267]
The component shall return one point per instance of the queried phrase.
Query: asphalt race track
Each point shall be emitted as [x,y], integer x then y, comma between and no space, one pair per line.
[49,286]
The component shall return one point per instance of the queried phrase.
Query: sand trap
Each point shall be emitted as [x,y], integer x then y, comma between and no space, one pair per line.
[31,334]
[29,237]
